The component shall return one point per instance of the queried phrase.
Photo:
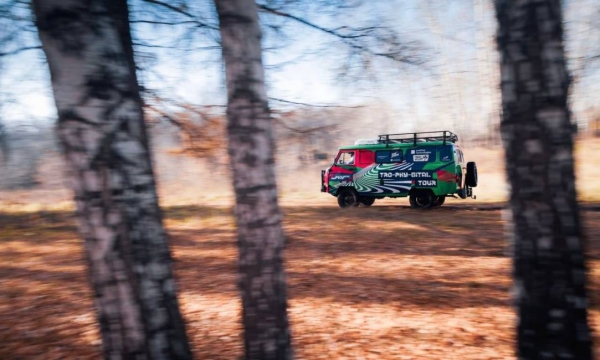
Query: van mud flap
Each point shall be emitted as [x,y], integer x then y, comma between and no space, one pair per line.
[323,189]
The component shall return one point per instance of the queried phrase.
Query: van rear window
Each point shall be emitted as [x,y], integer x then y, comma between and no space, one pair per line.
[388,156]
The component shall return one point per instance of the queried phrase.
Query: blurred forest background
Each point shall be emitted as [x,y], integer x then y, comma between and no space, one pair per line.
[324,92]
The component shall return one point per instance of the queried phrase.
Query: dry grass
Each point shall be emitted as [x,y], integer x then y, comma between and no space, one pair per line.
[372,283]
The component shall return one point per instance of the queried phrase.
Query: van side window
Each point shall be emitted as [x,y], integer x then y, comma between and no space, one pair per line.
[388,156]
[346,158]
[365,158]
[423,154]
[382,156]
[445,153]
[459,156]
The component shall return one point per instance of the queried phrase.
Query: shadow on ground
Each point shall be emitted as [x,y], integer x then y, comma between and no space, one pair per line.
[442,260]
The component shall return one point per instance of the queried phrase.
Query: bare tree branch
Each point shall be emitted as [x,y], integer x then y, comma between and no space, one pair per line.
[20,50]
[146,45]
[358,38]
[173,102]
[274,11]
[312,105]
[183,12]
[303,131]
[156,22]
[170,7]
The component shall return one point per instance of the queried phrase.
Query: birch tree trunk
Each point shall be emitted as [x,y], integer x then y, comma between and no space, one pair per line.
[549,262]
[251,146]
[101,128]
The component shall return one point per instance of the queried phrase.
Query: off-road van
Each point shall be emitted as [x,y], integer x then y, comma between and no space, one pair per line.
[426,167]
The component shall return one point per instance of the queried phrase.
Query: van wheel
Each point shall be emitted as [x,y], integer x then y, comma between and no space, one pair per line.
[367,201]
[438,201]
[471,179]
[421,200]
[347,198]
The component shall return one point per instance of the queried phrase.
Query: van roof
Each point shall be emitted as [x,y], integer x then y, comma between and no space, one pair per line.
[406,140]
[394,146]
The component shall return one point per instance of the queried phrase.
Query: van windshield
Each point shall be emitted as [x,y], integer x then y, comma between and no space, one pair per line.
[345,158]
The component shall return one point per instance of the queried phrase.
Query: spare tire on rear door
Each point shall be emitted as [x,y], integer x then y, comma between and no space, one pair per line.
[471,178]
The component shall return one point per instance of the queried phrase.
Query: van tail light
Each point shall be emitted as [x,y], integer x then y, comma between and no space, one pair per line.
[446,176]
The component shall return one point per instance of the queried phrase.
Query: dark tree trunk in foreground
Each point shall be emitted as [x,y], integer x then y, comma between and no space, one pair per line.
[251,146]
[101,127]
[549,261]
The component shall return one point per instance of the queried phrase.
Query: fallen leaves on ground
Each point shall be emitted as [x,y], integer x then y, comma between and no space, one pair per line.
[385,282]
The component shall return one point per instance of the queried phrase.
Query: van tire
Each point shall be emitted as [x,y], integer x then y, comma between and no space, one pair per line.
[367,201]
[438,201]
[471,179]
[347,197]
[421,200]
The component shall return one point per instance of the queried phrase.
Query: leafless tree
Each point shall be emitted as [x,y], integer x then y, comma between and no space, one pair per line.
[260,235]
[101,127]
[549,258]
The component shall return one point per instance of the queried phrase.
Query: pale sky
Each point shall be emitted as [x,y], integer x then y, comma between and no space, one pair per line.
[450,91]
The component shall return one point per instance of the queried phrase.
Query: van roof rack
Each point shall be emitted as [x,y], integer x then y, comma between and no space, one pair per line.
[417,137]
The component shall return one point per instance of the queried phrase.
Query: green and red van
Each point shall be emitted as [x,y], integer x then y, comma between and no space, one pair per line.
[426,167]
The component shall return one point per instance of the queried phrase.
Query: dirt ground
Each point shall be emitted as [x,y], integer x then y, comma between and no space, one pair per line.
[367,283]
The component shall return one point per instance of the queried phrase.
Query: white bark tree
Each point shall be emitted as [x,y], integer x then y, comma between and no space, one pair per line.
[101,128]
[549,258]
[251,147]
